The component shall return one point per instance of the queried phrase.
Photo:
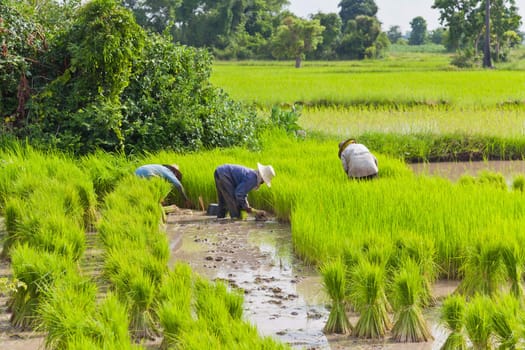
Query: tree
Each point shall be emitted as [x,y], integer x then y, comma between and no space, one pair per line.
[394,34]
[363,39]
[487,61]
[331,35]
[466,21]
[350,9]
[418,35]
[154,15]
[437,36]
[295,37]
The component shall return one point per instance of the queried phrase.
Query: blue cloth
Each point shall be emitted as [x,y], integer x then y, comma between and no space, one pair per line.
[150,170]
[233,183]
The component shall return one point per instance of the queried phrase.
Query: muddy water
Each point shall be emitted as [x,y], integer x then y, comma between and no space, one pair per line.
[454,170]
[283,298]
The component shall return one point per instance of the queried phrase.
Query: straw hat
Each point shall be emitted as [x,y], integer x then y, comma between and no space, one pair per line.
[175,170]
[266,172]
[343,144]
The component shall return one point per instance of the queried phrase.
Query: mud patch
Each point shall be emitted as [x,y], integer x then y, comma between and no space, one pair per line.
[283,298]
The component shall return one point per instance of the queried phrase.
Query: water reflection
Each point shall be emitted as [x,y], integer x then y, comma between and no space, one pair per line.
[454,170]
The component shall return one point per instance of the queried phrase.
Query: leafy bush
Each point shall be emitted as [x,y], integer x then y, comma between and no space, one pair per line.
[107,85]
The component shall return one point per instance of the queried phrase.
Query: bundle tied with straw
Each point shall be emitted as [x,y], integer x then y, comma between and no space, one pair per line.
[453,317]
[334,281]
[409,324]
[367,293]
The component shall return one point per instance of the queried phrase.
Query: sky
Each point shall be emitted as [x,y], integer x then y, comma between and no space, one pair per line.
[390,12]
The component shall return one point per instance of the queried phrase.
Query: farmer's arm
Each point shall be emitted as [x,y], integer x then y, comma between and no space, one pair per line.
[168,175]
[242,190]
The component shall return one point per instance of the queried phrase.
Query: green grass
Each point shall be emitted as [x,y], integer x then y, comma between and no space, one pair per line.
[382,83]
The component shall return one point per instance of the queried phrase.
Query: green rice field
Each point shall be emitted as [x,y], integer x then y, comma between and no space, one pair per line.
[380,245]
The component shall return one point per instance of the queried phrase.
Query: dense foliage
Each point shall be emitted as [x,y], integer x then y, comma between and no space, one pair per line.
[104,83]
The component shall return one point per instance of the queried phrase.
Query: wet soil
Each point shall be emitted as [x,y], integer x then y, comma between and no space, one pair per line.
[283,297]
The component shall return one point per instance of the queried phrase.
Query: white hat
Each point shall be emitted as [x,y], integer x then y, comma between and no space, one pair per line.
[266,172]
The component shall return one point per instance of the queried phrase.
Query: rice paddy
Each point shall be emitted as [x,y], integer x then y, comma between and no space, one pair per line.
[380,245]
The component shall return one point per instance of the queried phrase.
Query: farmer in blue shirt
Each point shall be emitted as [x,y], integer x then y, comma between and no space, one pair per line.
[233,183]
[166,171]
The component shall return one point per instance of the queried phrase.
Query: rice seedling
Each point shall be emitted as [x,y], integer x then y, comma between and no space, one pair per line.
[518,184]
[483,269]
[108,326]
[14,211]
[65,309]
[507,322]
[478,322]
[334,283]
[453,318]
[367,294]
[139,293]
[421,250]
[38,271]
[174,304]
[105,170]
[409,323]
[513,259]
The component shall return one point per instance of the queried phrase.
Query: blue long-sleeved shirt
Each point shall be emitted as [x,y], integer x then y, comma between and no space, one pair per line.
[244,180]
[150,170]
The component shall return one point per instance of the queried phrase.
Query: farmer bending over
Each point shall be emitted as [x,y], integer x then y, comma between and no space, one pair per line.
[170,173]
[233,183]
[357,160]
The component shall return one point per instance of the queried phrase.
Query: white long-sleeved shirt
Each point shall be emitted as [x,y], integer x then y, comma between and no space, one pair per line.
[358,161]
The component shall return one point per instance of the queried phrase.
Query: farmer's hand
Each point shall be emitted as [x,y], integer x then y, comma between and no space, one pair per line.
[188,204]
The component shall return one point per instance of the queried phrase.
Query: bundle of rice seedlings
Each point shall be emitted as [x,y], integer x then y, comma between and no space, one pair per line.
[38,271]
[174,304]
[66,309]
[108,325]
[453,317]
[409,324]
[507,321]
[334,282]
[367,293]
[478,322]
[138,291]
[173,319]
[211,308]
[420,249]
[483,269]
[518,184]
[514,259]
[14,210]
[55,232]
[233,299]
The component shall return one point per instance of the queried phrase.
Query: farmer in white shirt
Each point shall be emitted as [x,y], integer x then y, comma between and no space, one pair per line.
[357,160]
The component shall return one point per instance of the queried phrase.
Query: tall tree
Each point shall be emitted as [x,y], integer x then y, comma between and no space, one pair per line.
[487,61]
[466,22]
[331,35]
[394,34]
[295,37]
[155,15]
[363,39]
[418,35]
[350,9]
